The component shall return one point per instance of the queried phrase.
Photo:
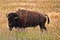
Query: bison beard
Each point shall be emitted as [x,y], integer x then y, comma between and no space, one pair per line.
[25,18]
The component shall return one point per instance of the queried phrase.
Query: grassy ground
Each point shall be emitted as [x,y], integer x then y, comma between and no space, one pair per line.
[49,7]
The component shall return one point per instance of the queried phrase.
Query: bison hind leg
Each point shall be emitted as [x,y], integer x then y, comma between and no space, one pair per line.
[44,28]
[41,28]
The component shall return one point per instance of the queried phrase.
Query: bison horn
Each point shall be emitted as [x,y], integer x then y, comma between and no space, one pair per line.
[16,17]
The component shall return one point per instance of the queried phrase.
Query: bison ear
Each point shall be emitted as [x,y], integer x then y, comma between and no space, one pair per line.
[16,17]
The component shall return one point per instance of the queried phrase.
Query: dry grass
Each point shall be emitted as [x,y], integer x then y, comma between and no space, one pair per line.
[49,7]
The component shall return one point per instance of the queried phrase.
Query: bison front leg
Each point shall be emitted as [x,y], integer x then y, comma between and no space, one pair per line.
[10,27]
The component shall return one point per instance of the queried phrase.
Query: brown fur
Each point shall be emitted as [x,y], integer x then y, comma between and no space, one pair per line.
[28,18]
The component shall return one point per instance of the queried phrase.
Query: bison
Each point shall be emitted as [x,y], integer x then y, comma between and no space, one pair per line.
[26,18]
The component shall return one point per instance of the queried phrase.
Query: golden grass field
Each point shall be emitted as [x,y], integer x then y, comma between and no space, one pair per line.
[49,7]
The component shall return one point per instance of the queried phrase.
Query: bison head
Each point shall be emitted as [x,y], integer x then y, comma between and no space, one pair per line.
[12,19]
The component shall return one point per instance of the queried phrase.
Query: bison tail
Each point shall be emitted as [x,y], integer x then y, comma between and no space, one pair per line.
[48,18]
